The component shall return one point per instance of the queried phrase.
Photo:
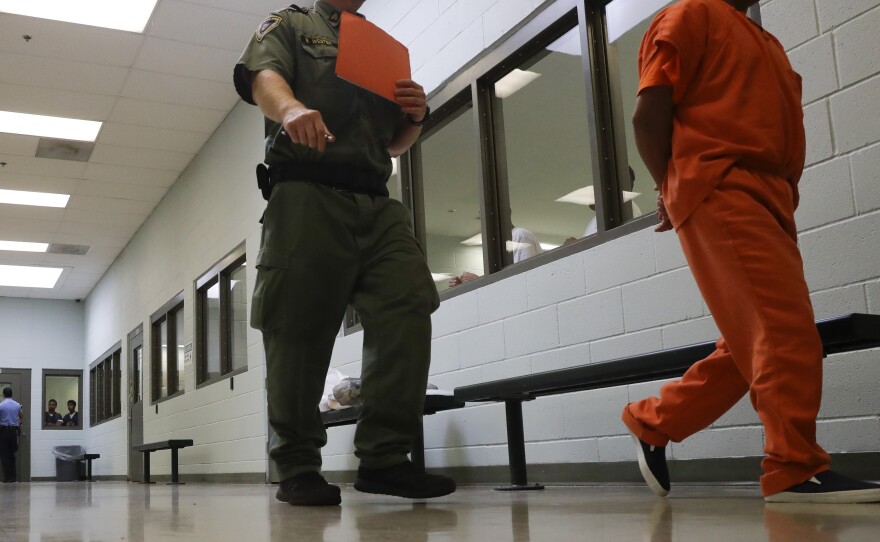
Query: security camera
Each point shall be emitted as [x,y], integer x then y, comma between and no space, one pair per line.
[78,300]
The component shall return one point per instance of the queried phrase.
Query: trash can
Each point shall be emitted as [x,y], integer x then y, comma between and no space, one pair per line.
[68,467]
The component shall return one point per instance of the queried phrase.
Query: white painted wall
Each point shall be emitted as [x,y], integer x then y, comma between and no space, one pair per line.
[624,297]
[41,334]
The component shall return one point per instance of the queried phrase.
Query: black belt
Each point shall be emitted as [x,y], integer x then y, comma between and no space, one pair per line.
[336,176]
[14,427]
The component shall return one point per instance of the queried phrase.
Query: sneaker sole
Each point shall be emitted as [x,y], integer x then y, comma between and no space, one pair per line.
[653,483]
[365,486]
[832,497]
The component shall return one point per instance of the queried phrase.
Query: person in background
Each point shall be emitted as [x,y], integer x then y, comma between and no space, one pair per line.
[10,427]
[53,418]
[719,124]
[71,419]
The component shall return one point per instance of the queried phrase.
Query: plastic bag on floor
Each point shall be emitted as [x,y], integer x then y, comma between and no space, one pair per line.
[328,400]
[348,391]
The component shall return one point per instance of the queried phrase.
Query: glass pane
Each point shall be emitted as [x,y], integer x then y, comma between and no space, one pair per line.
[452,201]
[178,323]
[636,181]
[117,381]
[238,318]
[547,146]
[136,375]
[163,358]
[212,331]
[99,406]
[59,389]
[394,181]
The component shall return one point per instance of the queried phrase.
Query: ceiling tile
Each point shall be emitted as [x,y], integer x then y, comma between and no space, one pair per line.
[174,89]
[144,158]
[31,212]
[127,135]
[120,190]
[96,241]
[118,205]
[44,167]
[92,227]
[61,74]
[174,117]
[130,175]
[54,102]
[189,60]
[56,39]
[191,23]
[18,145]
[257,7]
[22,228]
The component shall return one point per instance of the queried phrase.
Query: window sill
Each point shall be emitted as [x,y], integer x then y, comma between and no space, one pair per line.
[221,378]
[166,398]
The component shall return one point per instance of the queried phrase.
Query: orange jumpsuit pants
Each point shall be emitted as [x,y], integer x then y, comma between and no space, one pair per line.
[741,245]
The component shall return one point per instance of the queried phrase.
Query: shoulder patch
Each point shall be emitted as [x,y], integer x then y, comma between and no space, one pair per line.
[270,24]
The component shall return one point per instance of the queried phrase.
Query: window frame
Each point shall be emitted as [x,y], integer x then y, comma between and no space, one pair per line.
[219,273]
[105,379]
[168,313]
[79,403]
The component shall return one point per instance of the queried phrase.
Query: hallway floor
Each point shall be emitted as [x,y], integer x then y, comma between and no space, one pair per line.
[107,511]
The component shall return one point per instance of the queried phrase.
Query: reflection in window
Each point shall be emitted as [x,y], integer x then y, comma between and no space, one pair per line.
[167,357]
[452,200]
[221,319]
[543,104]
[629,27]
[104,384]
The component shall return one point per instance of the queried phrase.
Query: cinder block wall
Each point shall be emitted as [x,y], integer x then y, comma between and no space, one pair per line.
[636,294]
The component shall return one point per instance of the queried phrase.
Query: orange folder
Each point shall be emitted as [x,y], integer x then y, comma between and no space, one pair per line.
[370,58]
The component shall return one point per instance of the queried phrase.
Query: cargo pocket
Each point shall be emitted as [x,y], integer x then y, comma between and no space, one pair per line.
[269,307]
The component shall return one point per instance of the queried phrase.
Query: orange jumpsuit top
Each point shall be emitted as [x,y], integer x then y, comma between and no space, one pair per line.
[737,100]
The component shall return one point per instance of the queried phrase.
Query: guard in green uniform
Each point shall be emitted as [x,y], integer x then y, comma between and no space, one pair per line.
[332,237]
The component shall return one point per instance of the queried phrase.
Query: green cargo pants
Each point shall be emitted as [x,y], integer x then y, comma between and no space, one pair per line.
[321,250]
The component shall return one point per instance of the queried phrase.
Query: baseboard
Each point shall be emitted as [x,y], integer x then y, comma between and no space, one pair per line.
[865,466]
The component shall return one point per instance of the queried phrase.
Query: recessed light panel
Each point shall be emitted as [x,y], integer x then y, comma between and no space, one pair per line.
[43,126]
[128,15]
[23,276]
[20,246]
[40,199]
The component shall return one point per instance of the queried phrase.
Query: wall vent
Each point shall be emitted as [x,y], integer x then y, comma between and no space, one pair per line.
[64,149]
[73,250]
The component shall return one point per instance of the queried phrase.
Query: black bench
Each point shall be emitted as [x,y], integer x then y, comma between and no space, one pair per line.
[433,404]
[173,445]
[87,458]
[842,334]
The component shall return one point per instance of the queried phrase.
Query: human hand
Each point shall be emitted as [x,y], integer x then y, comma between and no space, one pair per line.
[412,99]
[306,127]
[665,223]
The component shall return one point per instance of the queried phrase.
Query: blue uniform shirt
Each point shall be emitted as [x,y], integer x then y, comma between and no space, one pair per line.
[9,412]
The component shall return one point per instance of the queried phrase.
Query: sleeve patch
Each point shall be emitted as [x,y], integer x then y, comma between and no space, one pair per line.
[270,24]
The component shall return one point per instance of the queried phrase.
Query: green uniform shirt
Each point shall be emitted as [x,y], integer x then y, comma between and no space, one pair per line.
[301,45]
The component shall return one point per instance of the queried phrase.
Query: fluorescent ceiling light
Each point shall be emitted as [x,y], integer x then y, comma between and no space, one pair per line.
[394,166]
[20,246]
[128,15]
[43,126]
[441,276]
[474,241]
[41,199]
[29,277]
[514,81]
[548,246]
[586,196]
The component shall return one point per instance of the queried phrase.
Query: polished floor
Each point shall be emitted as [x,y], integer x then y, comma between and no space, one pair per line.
[117,511]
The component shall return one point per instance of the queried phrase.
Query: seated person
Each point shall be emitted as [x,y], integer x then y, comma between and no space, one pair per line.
[52,417]
[72,416]
[523,244]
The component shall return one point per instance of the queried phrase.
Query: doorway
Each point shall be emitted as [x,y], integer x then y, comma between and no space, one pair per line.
[135,403]
[20,382]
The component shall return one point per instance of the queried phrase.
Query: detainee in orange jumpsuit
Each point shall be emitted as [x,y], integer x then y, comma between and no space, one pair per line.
[719,124]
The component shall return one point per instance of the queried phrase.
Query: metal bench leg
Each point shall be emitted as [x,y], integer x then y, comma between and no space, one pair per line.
[147,469]
[516,449]
[174,478]
[89,470]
